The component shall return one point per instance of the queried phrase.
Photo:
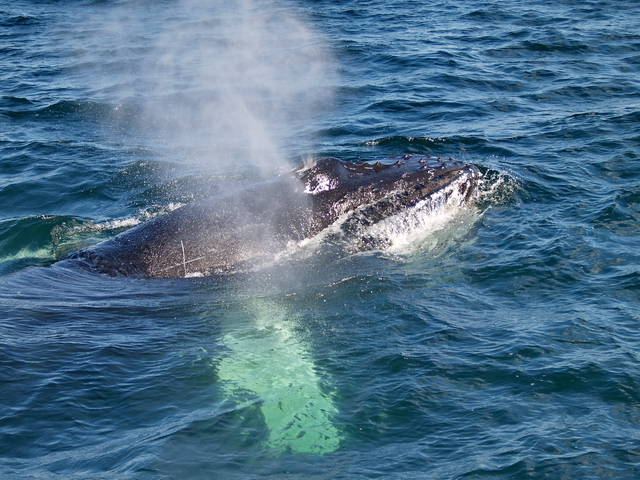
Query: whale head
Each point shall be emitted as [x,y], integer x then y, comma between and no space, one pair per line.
[379,190]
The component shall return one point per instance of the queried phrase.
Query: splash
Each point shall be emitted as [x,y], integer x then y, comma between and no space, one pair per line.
[401,233]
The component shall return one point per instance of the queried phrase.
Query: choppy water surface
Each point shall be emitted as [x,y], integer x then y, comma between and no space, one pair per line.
[499,340]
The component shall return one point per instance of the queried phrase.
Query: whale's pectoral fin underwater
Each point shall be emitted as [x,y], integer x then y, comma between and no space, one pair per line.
[251,226]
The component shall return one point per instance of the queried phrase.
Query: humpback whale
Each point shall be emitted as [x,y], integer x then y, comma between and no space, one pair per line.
[234,231]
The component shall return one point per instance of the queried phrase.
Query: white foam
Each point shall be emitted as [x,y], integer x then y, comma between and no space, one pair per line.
[401,233]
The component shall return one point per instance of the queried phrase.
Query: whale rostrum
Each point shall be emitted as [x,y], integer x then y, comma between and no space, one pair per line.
[252,225]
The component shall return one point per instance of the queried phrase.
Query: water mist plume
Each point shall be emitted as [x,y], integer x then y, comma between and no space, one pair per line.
[222,81]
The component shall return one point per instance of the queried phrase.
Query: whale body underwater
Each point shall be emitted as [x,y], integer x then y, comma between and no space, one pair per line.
[232,232]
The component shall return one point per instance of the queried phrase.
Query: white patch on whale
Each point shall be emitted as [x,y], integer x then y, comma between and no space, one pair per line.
[321,183]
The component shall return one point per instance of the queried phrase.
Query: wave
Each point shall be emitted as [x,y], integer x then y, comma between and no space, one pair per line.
[43,239]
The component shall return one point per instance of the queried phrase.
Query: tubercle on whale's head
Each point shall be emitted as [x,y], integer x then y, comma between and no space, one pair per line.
[415,175]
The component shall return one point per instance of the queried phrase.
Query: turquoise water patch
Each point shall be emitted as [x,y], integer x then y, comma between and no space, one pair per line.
[266,357]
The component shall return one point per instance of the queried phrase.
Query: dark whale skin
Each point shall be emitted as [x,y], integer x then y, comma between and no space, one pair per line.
[228,233]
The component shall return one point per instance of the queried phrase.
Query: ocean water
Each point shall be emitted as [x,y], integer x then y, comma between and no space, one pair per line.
[495,340]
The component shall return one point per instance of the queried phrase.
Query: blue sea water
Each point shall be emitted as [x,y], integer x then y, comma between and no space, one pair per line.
[501,340]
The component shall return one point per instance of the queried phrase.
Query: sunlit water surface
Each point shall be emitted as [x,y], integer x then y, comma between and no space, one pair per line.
[494,340]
